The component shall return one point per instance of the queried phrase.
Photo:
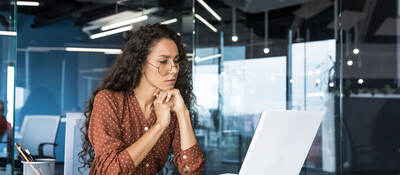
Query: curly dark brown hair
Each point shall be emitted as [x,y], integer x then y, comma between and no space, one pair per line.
[125,75]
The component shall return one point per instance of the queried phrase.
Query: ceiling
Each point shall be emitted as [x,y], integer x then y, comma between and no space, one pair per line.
[309,20]
[373,16]
[85,11]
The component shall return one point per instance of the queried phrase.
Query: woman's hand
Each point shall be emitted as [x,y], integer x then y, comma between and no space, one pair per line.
[162,110]
[174,96]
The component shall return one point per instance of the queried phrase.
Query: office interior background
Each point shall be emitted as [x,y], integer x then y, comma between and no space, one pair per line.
[337,56]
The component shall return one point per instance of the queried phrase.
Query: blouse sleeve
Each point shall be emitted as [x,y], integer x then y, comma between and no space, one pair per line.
[105,136]
[189,161]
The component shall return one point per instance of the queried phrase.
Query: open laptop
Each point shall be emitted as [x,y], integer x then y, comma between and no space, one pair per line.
[281,142]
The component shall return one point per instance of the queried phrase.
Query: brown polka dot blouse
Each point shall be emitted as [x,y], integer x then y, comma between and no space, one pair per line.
[111,132]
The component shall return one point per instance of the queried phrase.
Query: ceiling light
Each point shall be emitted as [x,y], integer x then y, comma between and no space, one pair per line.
[356,51]
[124,23]
[113,53]
[209,9]
[198,59]
[349,62]
[234,38]
[8,33]
[10,93]
[110,32]
[170,21]
[205,22]
[26,3]
[266,50]
[103,50]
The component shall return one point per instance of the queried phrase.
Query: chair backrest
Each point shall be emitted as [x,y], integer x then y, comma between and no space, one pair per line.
[38,129]
[73,144]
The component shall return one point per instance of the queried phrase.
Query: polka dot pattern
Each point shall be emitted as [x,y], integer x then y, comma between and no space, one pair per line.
[111,131]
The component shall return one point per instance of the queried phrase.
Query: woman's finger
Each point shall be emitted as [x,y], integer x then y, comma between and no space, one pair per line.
[169,96]
[161,97]
[158,97]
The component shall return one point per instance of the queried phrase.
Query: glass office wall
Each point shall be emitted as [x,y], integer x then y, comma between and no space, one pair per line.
[8,42]
[252,56]
[371,67]
[248,56]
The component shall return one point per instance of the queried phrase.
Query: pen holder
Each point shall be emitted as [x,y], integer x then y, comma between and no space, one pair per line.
[39,167]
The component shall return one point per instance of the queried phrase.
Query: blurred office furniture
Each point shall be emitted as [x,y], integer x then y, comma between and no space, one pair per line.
[73,144]
[371,135]
[231,146]
[38,134]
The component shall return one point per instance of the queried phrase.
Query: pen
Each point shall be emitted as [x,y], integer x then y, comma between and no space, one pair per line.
[28,153]
[21,152]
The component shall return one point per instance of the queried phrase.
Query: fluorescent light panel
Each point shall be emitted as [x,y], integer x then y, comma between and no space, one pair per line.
[102,50]
[113,53]
[10,94]
[205,22]
[174,20]
[197,59]
[209,9]
[27,3]
[110,32]
[124,23]
[8,33]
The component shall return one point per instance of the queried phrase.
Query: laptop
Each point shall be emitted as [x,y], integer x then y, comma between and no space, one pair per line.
[281,143]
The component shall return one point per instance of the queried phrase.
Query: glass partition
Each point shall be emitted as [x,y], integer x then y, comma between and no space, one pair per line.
[333,56]
[252,56]
[8,65]
[371,94]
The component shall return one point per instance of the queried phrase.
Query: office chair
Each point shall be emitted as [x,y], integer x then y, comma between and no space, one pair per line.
[37,131]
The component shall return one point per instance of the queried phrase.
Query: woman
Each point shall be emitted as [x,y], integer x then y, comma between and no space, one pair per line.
[142,109]
[5,126]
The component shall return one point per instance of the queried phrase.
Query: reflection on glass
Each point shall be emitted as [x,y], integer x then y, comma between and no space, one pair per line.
[262,65]
[8,39]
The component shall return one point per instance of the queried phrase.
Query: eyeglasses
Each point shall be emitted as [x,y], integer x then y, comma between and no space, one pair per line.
[165,68]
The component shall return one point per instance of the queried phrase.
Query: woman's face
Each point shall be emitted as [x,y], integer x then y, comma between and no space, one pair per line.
[161,67]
